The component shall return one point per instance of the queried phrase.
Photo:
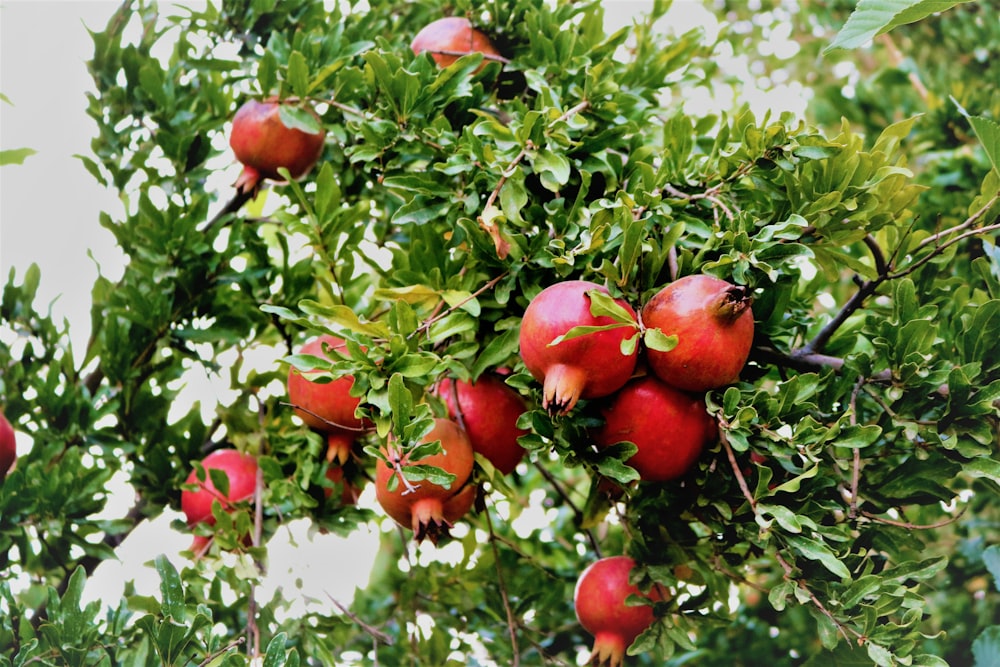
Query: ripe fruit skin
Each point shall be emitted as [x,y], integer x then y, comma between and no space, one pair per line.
[426,508]
[590,366]
[599,600]
[240,468]
[669,427]
[327,407]
[454,34]
[262,143]
[488,409]
[713,323]
[8,446]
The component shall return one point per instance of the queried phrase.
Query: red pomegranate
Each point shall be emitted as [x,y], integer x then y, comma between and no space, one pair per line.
[488,409]
[240,469]
[8,446]
[327,407]
[669,427]
[599,599]
[589,366]
[348,492]
[428,509]
[713,323]
[263,143]
[449,38]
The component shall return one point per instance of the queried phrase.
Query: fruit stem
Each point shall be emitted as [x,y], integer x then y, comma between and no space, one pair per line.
[732,303]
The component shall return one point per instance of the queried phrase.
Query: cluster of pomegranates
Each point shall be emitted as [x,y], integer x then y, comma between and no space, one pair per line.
[661,411]
[651,396]
[264,143]
[578,354]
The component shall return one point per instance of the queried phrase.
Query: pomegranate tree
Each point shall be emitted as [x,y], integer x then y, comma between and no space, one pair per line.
[713,323]
[263,143]
[586,366]
[670,427]
[488,410]
[450,38]
[327,406]
[8,446]
[427,508]
[240,470]
[600,602]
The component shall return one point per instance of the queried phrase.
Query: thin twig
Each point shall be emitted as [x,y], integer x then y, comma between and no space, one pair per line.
[941,248]
[915,526]
[375,633]
[438,316]
[228,647]
[576,510]
[731,455]
[789,576]
[856,465]
[511,620]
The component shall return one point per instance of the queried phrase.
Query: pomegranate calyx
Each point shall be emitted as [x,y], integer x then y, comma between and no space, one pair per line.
[338,447]
[249,181]
[562,388]
[609,650]
[732,303]
[428,521]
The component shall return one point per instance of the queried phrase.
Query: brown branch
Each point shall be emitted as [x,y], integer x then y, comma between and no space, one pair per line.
[896,58]
[731,455]
[355,429]
[867,288]
[490,227]
[856,464]
[211,657]
[914,526]
[512,624]
[790,577]
[941,248]
[376,634]
[576,510]
[438,316]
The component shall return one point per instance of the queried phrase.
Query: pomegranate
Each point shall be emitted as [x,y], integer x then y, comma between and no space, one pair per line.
[488,410]
[589,366]
[263,143]
[348,492]
[427,508]
[8,446]
[449,38]
[669,427]
[599,599]
[713,323]
[240,469]
[327,407]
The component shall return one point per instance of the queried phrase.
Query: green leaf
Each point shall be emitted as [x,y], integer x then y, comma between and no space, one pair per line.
[875,17]
[655,339]
[298,76]
[297,118]
[400,399]
[275,654]
[986,648]
[991,558]
[988,132]
[603,304]
[171,589]
[577,332]
[819,551]
[15,155]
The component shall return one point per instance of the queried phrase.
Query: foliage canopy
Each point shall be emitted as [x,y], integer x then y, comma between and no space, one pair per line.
[864,532]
